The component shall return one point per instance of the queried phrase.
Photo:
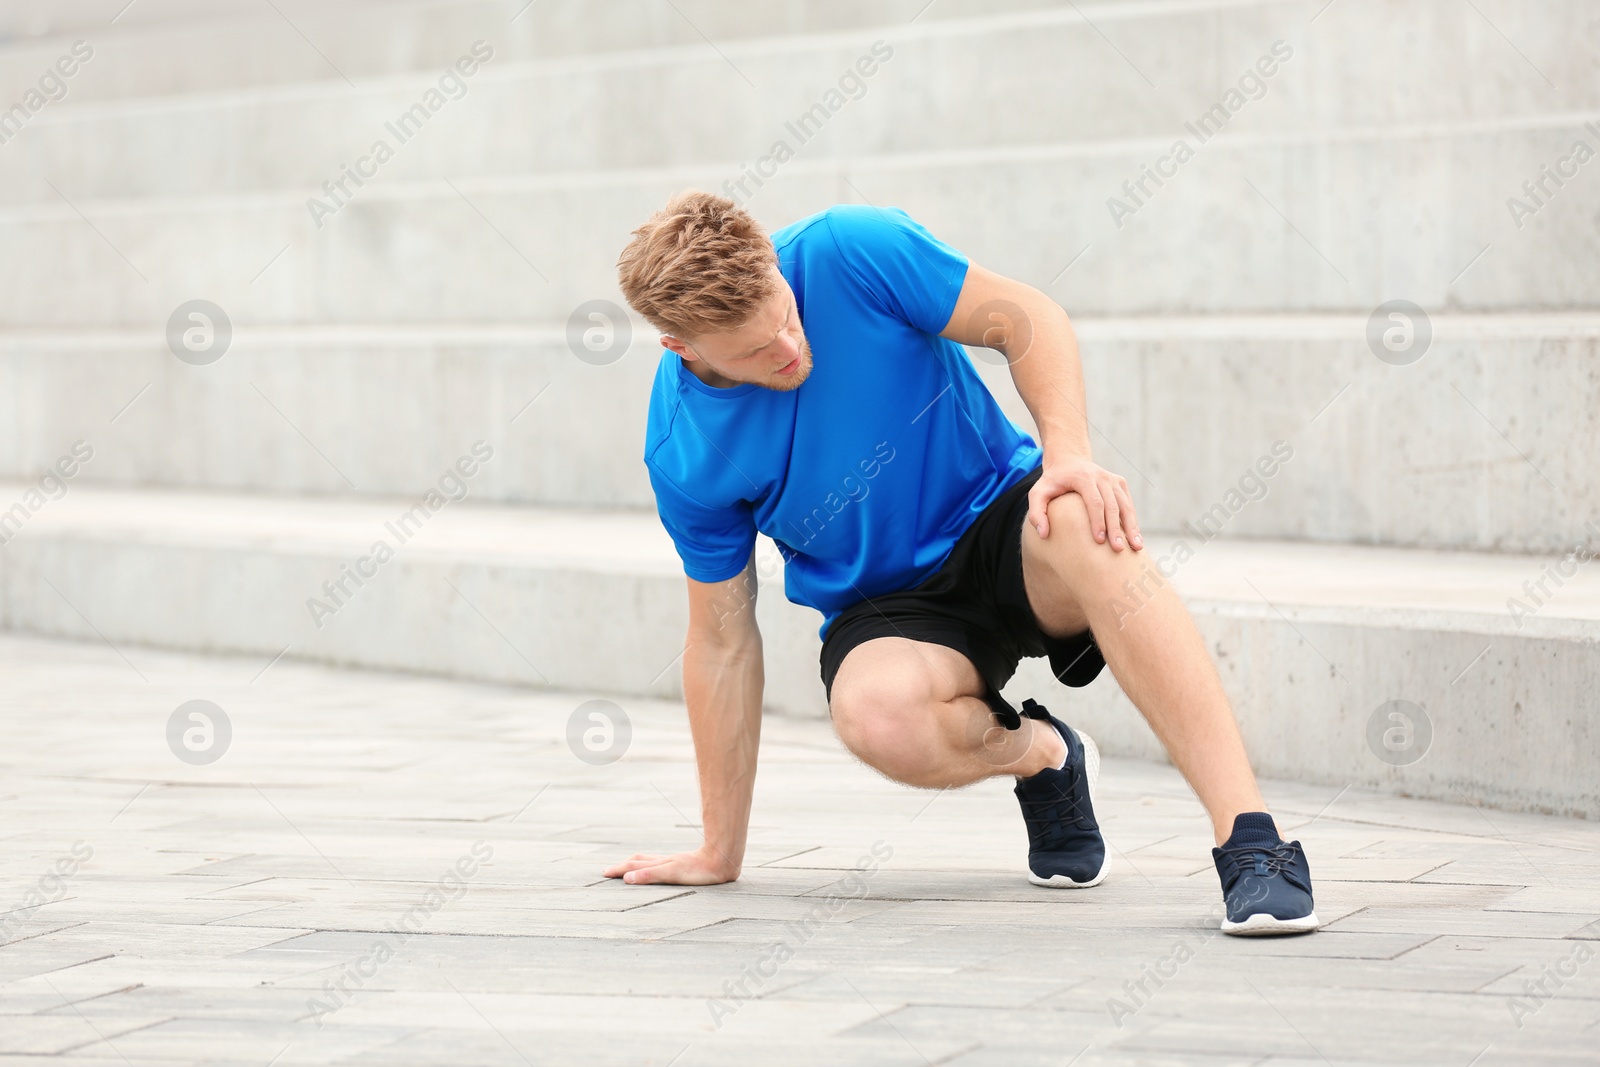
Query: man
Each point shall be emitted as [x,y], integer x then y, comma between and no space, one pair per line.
[814,388]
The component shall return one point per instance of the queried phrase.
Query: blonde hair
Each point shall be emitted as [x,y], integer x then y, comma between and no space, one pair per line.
[699,265]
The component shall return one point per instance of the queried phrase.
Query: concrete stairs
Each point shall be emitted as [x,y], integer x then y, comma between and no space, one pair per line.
[1315,642]
[1502,411]
[1345,184]
[1227,311]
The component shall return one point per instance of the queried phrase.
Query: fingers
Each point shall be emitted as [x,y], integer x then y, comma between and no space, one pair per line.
[632,863]
[649,875]
[685,868]
[1109,504]
[1097,511]
[644,869]
[1038,497]
[1130,519]
[667,870]
[1113,515]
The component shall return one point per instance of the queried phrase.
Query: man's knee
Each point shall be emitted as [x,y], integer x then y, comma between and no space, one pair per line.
[887,720]
[1069,514]
[1072,550]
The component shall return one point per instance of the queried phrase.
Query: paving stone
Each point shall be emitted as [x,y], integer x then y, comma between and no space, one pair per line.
[227,910]
[1459,921]
[51,1034]
[1553,896]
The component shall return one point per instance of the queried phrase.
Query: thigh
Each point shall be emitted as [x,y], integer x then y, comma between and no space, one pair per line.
[1048,567]
[896,707]
[896,677]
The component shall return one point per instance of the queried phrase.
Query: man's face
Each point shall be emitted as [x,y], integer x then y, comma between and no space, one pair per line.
[770,350]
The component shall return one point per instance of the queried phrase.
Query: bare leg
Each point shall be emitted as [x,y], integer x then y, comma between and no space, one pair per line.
[914,711]
[1152,647]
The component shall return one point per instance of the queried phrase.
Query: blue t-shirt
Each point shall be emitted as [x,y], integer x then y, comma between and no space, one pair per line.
[868,472]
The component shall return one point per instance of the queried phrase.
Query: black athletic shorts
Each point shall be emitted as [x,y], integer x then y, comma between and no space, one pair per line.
[974,603]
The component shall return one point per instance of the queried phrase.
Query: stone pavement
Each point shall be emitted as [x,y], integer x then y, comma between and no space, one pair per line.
[392,869]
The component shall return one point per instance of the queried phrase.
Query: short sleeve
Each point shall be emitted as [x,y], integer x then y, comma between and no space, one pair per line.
[912,273]
[714,543]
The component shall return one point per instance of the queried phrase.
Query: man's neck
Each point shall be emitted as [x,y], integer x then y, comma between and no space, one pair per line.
[698,368]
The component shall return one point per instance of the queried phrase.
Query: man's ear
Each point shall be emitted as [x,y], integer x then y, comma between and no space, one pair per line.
[674,344]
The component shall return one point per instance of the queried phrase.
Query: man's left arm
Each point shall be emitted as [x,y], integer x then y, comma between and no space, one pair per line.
[1036,337]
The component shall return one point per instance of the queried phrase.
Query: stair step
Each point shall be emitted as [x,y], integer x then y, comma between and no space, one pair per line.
[1314,642]
[537,246]
[576,110]
[191,47]
[1453,451]
[198,46]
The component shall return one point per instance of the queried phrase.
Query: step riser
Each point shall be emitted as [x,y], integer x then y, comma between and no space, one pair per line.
[256,47]
[1207,243]
[1505,735]
[1301,717]
[922,91]
[158,49]
[1383,454]
[388,420]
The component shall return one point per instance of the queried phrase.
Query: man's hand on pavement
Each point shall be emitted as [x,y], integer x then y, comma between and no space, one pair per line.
[1105,494]
[702,867]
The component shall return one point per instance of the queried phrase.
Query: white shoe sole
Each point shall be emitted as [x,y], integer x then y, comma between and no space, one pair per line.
[1091,761]
[1263,925]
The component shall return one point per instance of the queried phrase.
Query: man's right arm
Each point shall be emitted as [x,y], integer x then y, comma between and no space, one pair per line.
[722,685]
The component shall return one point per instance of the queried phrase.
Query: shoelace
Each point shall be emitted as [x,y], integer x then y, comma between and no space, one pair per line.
[1263,861]
[1049,819]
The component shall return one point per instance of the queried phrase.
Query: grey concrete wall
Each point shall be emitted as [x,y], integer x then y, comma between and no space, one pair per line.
[579,110]
[1516,732]
[1331,222]
[1487,442]
[1377,162]
[598,603]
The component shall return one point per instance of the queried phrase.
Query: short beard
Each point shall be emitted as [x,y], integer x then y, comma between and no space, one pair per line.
[787,384]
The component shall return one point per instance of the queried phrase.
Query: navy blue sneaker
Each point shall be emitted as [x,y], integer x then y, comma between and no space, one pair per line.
[1266,882]
[1065,849]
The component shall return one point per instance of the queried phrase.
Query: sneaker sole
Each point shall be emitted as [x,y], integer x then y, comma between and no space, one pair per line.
[1264,925]
[1091,760]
